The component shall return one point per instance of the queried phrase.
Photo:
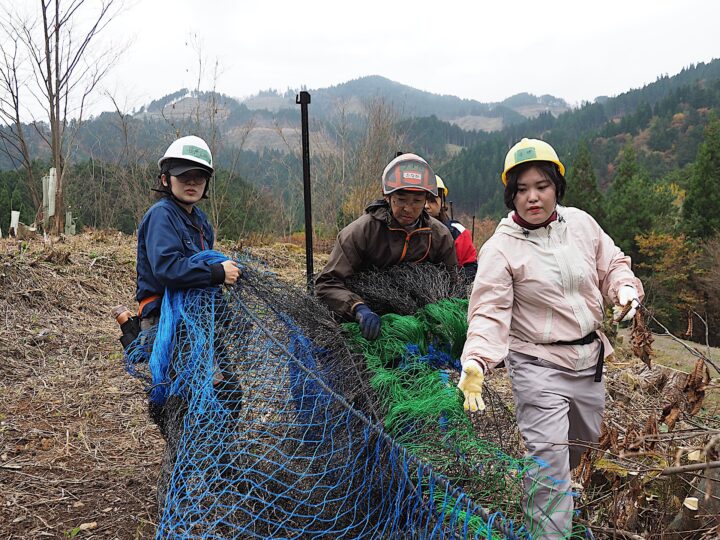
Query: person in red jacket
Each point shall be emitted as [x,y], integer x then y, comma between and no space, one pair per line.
[464,248]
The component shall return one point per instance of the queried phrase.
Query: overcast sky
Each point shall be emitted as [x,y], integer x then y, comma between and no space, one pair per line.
[484,50]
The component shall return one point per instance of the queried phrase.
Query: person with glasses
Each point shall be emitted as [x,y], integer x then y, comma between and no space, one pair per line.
[393,230]
[174,229]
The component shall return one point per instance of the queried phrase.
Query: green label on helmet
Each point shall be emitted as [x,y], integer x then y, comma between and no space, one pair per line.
[197,152]
[525,154]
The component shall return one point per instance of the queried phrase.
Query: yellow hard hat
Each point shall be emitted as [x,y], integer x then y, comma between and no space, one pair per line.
[530,150]
[441,185]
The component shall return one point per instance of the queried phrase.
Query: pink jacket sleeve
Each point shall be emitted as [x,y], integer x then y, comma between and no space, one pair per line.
[613,268]
[489,309]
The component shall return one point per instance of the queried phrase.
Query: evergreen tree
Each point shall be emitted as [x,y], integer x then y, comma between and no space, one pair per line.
[702,202]
[635,205]
[582,190]
[627,168]
[14,196]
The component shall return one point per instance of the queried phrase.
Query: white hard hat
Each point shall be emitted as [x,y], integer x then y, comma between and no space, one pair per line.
[193,151]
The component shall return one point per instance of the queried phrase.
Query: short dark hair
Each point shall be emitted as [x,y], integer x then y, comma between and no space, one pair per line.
[547,168]
[162,191]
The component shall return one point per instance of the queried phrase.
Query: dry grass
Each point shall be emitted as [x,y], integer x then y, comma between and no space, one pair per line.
[76,449]
[78,454]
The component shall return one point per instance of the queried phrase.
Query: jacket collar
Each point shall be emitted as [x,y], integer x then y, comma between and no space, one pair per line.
[508,226]
[191,220]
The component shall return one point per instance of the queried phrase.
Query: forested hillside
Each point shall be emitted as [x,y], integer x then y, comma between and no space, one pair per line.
[664,122]
[645,163]
[256,146]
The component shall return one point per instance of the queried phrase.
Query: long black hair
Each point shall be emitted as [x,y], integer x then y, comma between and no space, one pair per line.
[547,168]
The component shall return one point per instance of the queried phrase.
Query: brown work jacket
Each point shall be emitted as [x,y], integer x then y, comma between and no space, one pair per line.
[377,240]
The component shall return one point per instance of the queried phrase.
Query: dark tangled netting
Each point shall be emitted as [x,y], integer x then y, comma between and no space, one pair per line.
[407,288]
[281,424]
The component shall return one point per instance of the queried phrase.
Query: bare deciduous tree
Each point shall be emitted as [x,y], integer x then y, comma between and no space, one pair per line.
[345,173]
[379,145]
[12,138]
[332,159]
[63,71]
[132,171]
[204,119]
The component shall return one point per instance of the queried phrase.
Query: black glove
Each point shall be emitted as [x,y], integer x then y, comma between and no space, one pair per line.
[369,322]
[130,331]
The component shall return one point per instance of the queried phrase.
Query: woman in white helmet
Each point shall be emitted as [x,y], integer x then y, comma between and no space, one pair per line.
[174,229]
[537,303]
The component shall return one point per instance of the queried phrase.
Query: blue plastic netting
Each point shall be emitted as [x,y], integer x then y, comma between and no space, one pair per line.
[274,431]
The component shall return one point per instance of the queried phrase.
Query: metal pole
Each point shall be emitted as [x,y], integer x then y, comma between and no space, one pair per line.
[303,99]
[472,235]
[451,211]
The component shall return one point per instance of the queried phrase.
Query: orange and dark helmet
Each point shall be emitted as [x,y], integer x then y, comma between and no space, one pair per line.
[409,172]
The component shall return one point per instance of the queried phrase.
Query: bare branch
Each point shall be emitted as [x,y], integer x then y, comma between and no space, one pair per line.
[64,73]
[691,350]
[689,468]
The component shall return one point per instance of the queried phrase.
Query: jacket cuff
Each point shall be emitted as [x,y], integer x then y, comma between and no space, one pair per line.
[217,274]
[482,363]
[632,282]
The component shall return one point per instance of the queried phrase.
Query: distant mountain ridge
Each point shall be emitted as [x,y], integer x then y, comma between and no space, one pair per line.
[411,102]
[273,114]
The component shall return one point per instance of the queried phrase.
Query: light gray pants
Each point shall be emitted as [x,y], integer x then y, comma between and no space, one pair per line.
[553,405]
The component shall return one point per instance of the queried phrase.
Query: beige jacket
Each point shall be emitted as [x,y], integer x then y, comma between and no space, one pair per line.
[534,288]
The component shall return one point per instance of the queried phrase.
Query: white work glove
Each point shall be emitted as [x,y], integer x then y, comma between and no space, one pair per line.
[471,383]
[626,294]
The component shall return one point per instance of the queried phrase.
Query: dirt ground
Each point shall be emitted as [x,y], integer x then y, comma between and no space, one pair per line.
[78,454]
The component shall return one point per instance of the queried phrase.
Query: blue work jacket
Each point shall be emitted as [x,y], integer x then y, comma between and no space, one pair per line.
[167,237]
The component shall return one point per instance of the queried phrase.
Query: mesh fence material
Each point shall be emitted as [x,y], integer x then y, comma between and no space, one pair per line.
[281,424]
